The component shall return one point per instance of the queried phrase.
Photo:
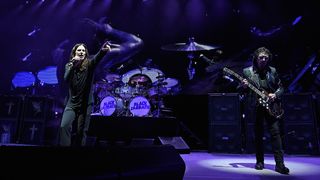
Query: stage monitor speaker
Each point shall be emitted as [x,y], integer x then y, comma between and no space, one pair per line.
[177,142]
[10,113]
[300,124]
[224,123]
[39,162]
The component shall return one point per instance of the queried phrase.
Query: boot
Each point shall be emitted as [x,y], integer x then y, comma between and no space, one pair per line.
[281,168]
[259,166]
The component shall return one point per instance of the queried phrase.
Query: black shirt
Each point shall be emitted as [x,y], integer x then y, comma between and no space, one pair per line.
[80,83]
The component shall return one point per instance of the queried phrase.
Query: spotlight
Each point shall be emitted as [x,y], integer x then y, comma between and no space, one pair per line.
[297,20]
[26,57]
[32,33]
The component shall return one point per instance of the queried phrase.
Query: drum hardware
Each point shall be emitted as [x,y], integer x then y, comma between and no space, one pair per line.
[191,47]
[156,94]
[133,93]
[125,91]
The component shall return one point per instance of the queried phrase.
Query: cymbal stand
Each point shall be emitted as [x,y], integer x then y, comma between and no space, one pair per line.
[159,101]
[191,69]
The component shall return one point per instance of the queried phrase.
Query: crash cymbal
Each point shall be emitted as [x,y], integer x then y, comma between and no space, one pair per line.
[112,78]
[159,83]
[190,46]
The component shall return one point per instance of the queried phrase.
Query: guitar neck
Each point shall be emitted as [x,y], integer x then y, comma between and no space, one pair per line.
[252,87]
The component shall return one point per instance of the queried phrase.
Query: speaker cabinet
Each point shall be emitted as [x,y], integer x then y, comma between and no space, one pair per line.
[10,112]
[224,123]
[301,132]
[36,112]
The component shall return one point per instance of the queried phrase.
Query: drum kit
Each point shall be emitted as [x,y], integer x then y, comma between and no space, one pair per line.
[140,92]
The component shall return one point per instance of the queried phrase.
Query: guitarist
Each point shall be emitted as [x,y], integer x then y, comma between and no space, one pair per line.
[265,77]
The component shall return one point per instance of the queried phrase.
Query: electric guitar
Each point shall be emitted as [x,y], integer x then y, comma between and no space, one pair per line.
[273,107]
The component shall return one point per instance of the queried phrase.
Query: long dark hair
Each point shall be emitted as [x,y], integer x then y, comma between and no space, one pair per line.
[73,53]
[256,54]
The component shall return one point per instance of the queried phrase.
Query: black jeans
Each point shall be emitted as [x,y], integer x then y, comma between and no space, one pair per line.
[273,125]
[82,117]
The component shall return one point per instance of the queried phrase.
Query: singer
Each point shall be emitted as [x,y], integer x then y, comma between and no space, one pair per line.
[79,73]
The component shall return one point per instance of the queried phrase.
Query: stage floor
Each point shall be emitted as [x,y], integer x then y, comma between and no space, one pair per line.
[205,166]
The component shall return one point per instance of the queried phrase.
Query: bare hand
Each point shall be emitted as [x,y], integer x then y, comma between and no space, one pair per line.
[272,96]
[106,47]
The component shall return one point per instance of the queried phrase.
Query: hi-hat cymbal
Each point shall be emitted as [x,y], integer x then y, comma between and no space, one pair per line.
[189,46]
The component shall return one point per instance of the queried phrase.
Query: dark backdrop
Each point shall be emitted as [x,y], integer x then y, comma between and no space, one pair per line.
[227,23]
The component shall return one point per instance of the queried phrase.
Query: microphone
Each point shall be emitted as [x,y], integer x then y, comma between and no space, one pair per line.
[206,59]
[71,62]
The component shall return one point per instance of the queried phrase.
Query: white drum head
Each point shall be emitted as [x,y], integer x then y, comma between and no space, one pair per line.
[108,106]
[139,106]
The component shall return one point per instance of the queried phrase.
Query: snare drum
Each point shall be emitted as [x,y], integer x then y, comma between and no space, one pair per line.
[111,105]
[139,106]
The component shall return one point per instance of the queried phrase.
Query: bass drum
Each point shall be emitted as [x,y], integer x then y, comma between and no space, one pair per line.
[139,106]
[111,106]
